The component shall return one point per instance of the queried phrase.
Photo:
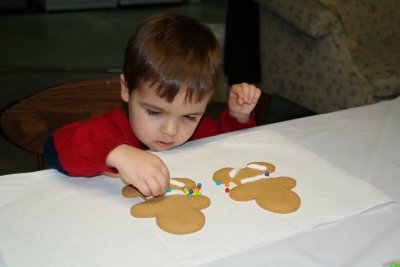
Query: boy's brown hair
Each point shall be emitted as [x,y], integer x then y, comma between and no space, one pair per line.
[171,51]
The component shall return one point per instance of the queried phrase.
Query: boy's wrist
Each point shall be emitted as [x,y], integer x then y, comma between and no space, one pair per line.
[114,157]
[241,117]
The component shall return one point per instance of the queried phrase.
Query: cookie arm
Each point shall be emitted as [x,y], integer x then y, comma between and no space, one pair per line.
[285,181]
[199,202]
[143,210]
[222,175]
[243,193]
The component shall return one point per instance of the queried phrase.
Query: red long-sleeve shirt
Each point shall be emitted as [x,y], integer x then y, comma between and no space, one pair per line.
[81,148]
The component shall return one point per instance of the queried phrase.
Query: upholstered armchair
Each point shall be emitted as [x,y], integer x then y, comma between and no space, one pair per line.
[327,55]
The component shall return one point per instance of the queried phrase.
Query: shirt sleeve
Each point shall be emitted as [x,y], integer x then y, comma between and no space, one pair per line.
[81,148]
[209,127]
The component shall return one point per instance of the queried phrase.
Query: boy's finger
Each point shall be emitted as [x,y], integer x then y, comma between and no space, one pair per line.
[248,92]
[155,186]
[143,188]
[164,179]
[237,91]
[258,94]
[251,93]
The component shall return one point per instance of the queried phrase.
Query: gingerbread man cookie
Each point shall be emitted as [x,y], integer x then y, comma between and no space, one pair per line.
[178,211]
[253,183]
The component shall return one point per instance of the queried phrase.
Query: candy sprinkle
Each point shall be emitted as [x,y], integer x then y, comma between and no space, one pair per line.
[193,192]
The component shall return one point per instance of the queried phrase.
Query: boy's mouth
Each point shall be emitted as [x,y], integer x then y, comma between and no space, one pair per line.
[164,145]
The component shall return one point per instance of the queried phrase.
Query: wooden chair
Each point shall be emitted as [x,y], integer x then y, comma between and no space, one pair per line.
[31,120]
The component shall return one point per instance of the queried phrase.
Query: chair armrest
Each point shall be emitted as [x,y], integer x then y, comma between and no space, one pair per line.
[308,16]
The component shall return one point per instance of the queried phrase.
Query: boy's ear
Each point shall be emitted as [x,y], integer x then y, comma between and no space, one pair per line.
[124,89]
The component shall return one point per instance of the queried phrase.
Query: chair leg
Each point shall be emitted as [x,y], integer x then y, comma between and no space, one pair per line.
[40,161]
[262,108]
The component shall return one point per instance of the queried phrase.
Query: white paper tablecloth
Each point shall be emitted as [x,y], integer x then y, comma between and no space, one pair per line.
[48,219]
[365,142]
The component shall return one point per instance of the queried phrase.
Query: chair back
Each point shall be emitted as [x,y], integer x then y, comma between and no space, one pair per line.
[30,121]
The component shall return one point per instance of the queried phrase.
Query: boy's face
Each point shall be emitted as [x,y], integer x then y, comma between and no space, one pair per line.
[158,124]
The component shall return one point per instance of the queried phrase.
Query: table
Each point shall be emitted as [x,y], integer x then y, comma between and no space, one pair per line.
[365,142]
[362,141]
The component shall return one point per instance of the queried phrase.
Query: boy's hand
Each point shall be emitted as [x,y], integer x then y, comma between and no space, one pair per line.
[242,100]
[143,170]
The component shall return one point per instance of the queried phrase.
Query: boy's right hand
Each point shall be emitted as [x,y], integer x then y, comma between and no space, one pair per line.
[143,170]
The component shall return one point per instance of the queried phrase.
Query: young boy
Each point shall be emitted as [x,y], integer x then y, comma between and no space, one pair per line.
[172,66]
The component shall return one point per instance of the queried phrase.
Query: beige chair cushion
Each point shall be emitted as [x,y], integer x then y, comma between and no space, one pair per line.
[380,63]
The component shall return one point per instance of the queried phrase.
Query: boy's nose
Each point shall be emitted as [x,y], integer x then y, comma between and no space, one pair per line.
[170,128]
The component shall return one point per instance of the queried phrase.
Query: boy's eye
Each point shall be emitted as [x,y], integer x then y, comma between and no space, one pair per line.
[190,118]
[153,113]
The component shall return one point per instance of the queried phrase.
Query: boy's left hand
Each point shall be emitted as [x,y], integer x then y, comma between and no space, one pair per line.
[242,100]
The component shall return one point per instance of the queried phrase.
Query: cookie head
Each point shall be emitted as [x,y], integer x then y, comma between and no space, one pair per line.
[235,175]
